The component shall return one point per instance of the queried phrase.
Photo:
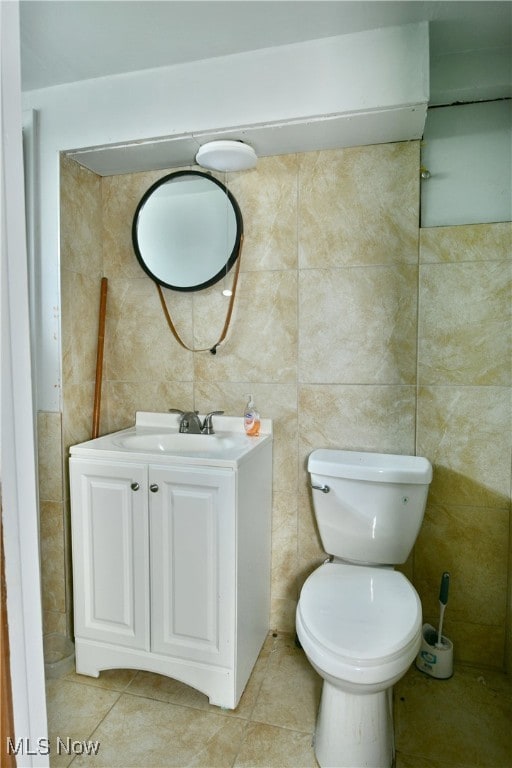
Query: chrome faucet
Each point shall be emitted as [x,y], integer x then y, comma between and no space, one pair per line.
[207,428]
[190,422]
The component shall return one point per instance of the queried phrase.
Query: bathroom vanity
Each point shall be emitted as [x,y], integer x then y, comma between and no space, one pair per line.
[171,552]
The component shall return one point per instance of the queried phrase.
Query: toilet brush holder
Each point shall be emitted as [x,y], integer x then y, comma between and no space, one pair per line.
[434,658]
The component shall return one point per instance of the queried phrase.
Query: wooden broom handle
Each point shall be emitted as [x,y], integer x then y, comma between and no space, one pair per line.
[99,359]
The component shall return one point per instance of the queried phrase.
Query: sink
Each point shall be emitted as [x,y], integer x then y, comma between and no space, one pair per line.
[172,442]
[156,437]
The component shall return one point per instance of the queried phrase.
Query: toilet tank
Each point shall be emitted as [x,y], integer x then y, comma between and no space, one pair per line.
[369,506]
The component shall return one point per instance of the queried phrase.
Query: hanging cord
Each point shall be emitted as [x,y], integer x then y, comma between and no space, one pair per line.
[223,335]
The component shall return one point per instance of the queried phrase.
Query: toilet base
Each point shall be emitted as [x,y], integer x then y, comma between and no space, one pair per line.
[354,730]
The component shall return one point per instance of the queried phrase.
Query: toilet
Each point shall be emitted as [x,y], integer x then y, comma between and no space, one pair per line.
[358,620]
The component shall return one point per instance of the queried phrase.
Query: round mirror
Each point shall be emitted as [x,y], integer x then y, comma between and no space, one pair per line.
[186,231]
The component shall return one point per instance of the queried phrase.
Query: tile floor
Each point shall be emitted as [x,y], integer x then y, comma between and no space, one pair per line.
[143,720]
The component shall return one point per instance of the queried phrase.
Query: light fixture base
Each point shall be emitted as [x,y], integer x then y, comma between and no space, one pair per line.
[226,156]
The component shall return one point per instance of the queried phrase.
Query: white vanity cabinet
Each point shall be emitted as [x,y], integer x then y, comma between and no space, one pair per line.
[110,536]
[171,566]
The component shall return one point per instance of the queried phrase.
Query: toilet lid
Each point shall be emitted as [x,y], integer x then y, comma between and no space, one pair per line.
[358,612]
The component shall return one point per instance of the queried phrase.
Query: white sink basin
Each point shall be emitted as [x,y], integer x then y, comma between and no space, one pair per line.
[156,437]
[175,442]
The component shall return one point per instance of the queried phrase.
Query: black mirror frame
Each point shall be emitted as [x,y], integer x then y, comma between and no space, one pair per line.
[231,259]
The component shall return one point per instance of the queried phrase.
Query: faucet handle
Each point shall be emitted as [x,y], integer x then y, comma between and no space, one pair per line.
[207,428]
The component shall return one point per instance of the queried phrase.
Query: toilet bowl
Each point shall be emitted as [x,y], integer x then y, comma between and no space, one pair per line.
[360,628]
[358,620]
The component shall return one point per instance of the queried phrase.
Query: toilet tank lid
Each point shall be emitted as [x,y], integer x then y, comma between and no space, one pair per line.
[374,467]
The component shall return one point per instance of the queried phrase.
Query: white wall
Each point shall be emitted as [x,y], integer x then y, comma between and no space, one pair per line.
[366,73]
[467,149]
[18,465]
[471,76]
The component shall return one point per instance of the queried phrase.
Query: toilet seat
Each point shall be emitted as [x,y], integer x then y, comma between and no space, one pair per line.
[359,623]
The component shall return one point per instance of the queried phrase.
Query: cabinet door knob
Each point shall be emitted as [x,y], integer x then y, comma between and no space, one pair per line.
[153,487]
[135,486]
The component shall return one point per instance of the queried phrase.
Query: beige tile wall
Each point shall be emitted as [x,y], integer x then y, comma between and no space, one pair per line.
[52,523]
[333,306]
[81,270]
[464,425]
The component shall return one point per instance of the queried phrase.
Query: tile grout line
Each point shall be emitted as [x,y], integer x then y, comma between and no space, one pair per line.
[89,738]
[249,720]
[101,688]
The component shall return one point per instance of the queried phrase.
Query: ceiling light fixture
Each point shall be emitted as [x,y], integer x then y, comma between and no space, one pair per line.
[226,156]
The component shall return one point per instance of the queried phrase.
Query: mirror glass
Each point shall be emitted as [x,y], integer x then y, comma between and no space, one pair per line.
[186,231]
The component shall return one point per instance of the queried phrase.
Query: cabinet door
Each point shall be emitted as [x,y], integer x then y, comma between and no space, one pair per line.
[110,552]
[192,542]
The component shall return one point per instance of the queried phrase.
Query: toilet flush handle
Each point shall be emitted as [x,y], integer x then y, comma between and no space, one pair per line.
[323,488]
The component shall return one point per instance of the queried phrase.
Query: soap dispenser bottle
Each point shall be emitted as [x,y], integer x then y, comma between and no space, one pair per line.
[251,418]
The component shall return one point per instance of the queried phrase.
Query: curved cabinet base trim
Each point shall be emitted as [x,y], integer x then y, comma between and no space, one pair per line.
[218,683]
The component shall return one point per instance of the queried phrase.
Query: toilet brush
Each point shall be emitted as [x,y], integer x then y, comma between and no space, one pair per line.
[443,599]
[435,656]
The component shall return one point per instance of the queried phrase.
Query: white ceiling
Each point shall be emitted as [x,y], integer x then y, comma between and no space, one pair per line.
[68,40]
